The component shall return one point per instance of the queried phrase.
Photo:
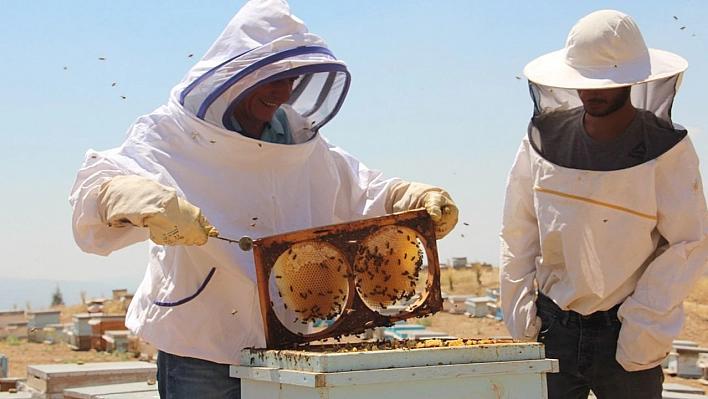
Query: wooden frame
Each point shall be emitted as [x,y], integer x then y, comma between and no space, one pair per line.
[356,316]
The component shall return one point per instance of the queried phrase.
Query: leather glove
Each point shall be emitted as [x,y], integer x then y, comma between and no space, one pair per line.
[138,201]
[405,196]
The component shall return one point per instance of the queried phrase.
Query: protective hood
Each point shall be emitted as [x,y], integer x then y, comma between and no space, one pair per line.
[605,50]
[656,96]
[265,42]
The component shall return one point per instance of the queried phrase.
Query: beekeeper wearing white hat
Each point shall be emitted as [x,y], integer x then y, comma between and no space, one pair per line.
[235,152]
[604,220]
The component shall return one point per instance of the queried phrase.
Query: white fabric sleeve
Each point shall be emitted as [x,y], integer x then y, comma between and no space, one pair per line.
[519,249]
[90,233]
[362,192]
[652,317]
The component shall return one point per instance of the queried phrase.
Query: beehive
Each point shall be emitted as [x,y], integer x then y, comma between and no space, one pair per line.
[480,370]
[346,274]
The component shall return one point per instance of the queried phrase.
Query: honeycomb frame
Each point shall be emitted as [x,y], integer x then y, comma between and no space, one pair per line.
[356,316]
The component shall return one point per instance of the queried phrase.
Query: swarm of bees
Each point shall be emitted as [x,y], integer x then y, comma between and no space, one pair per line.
[387,266]
[312,279]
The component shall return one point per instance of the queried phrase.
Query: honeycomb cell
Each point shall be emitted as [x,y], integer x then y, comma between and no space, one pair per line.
[387,266]
[312,280]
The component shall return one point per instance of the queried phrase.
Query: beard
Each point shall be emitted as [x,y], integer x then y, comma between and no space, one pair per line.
[612,105]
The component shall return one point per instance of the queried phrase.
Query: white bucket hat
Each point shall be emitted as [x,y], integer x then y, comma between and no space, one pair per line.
[605,49]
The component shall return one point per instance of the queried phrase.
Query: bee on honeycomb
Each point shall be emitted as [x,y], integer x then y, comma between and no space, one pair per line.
[311,279]
[387,266]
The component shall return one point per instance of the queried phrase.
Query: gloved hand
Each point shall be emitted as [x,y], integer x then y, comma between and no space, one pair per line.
[405,196]
[138,201]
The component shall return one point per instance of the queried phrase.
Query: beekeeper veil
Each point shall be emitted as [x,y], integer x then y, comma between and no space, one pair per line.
[265,42]
[605,50]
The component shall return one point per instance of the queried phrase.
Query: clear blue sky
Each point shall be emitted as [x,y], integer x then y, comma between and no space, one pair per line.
[435,97]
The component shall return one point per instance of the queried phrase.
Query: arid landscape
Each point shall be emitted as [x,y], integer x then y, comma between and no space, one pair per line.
[21,353]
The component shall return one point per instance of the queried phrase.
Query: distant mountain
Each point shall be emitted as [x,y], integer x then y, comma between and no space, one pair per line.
[16,293]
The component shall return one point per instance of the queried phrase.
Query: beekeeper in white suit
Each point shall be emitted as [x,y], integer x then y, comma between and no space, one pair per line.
[604,213]
[236,148]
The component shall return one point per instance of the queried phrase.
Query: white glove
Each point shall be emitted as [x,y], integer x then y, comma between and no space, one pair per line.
[405,196]
[138,201]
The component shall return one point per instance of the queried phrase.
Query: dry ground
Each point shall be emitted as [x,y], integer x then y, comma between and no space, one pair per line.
[453,282]
[21,353]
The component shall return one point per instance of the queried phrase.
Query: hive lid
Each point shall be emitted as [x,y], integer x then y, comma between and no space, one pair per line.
[342,357]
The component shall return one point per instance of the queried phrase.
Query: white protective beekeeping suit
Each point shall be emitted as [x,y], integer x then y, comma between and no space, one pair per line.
[201,300]
[593,239]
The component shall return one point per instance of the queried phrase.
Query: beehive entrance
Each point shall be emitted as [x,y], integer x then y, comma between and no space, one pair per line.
[347,277]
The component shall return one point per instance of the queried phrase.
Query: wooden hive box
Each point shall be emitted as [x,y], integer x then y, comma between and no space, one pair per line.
[102,323]
[53,379]
[353,280]
[493,310]
[93,392]
[477,306]
[7,383]
[682,389]
[457,303]
[672,355]
[131,395]
[79,335]
[508,370]
[116,340]
[683,361]
[78,342]
[493,293]
[81,324]
[42,317]
[16,329]
[16,395]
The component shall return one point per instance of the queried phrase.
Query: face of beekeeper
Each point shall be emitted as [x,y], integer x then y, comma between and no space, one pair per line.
[260,104]
[603,102]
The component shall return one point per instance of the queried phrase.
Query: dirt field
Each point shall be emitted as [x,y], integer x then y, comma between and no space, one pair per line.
[453,282]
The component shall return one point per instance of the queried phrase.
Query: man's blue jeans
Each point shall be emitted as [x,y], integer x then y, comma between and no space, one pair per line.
[188,378]
[585,347]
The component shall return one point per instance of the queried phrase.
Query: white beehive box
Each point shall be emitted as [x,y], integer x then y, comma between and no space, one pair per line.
[477,306]
[514,370]
[112,390]
[336,361]
[457,303]
[52,379]
[683,361]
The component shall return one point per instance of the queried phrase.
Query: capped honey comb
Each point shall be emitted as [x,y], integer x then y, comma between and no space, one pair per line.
[387,266]
[312,279]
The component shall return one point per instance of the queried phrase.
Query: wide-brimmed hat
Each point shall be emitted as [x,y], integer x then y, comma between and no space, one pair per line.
[604,49]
